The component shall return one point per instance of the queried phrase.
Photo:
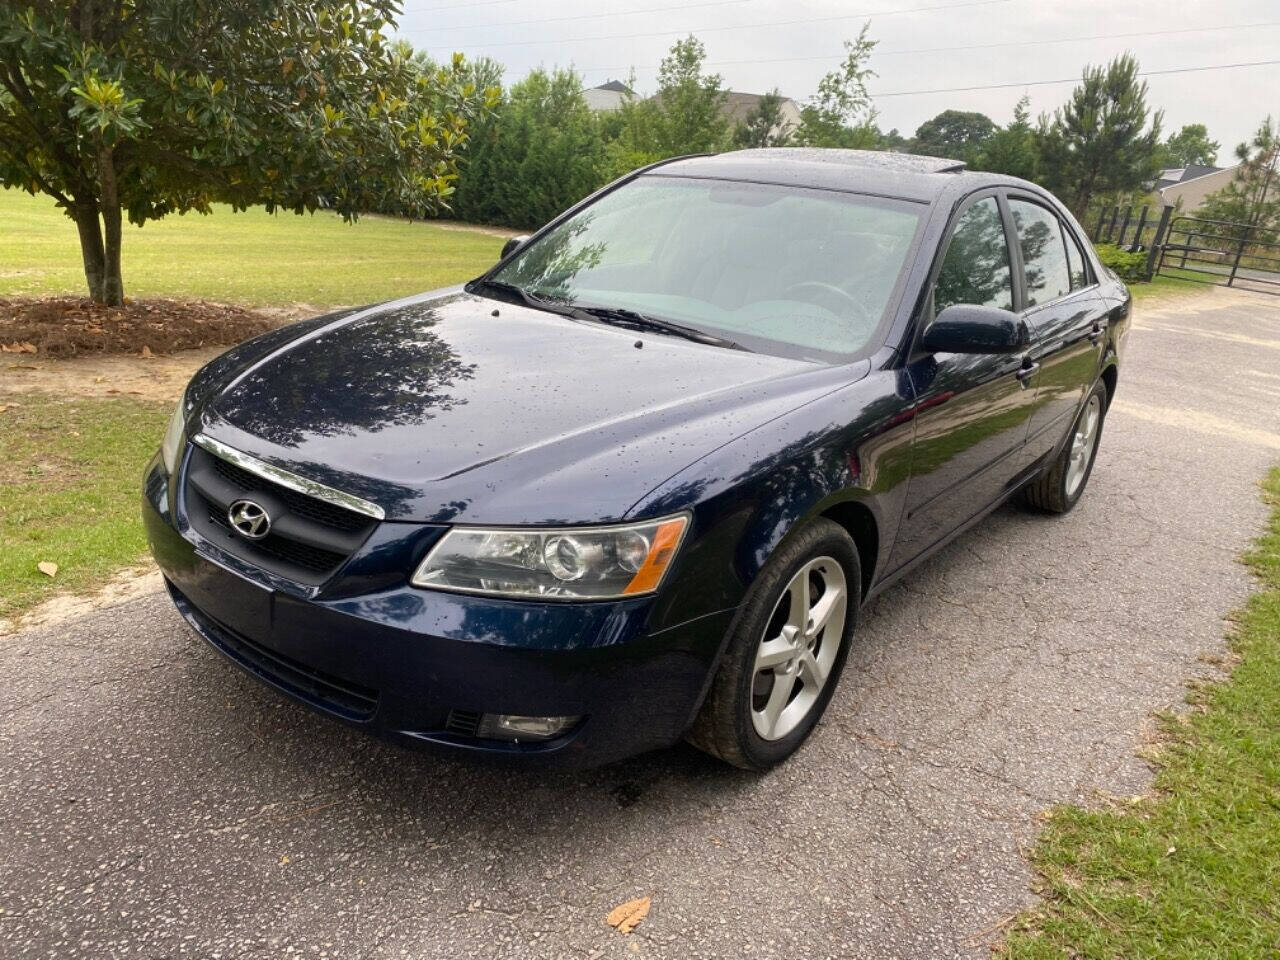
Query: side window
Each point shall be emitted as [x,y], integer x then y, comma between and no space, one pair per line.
[1075,257]
[1043,253]
[976,267]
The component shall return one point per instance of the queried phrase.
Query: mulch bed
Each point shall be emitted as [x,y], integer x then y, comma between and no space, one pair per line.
[68,326]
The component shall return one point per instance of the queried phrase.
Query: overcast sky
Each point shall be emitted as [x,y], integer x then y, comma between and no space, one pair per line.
[750,46]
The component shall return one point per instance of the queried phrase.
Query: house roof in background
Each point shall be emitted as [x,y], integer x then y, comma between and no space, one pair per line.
[1208,172]
[737,105]
[1193,170]
[616,86]
[1195,189]
[1190,172]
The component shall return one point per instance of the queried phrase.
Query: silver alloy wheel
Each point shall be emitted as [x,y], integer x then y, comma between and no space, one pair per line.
[798,648]
[1082,443]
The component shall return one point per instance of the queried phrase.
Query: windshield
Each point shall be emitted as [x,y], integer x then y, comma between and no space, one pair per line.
[783,270]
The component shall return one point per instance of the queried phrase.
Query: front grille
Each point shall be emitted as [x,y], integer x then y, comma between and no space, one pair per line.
[328,514]
[309,539]
[347,699]
[287,551]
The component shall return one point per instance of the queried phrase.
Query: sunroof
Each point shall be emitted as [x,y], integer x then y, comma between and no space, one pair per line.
[881,159]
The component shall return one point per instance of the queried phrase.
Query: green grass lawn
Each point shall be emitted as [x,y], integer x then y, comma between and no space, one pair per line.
[252,258]
[70,469]
[70,481]
[1165,286]
[1194,870]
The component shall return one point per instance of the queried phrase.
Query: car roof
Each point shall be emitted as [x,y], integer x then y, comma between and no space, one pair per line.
[903,175]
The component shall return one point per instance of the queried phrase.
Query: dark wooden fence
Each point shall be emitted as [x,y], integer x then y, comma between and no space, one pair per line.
[1222,252]
[1193,248]
[1136,230]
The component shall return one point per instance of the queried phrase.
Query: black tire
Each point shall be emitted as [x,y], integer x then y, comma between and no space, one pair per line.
[1049,492]
[724,727]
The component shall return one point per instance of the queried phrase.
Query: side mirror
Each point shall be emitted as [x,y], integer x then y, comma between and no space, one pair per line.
[514,244]
[966,328]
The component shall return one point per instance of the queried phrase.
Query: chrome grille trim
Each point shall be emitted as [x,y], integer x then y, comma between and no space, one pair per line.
[288,479]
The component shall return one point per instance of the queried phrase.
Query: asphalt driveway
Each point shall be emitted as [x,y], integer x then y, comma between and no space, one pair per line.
[154,802]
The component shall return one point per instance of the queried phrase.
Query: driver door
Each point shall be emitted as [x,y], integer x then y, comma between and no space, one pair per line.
[971,410]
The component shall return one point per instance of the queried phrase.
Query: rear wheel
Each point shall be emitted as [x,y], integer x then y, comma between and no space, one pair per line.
[1059,488]
[785,652]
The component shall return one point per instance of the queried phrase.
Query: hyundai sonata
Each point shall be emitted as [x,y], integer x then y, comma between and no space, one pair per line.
[635,482]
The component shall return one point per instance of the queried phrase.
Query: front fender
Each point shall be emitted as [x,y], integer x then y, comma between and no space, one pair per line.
[852,446]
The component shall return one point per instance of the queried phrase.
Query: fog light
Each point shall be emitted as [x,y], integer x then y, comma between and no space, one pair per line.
[505,726]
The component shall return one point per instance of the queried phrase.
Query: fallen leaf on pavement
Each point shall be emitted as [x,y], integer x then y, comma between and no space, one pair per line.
[23,347]
[48,568]
[146,352]
[627,916]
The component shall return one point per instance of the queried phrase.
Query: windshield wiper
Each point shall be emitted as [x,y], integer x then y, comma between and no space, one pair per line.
[521,296]
[643,320]
[621,315]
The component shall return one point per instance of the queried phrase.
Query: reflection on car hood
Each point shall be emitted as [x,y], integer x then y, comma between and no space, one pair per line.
[461,408]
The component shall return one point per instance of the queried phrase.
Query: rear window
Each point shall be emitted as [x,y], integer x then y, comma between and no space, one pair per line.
[1044,256]
[1075,257]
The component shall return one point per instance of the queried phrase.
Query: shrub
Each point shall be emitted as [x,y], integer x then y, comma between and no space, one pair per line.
[1129,267]
[540,153]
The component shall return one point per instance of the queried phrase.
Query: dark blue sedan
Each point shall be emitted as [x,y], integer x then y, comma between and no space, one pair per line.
[636,482]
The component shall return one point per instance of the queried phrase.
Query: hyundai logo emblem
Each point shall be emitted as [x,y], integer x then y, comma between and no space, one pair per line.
[249,519]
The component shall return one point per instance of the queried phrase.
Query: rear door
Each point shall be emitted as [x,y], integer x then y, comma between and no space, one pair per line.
[1065,314]
[972,410]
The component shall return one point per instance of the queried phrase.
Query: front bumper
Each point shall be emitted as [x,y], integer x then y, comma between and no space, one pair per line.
[406,664]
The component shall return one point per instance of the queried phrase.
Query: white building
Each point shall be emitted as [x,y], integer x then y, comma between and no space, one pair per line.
[608,96]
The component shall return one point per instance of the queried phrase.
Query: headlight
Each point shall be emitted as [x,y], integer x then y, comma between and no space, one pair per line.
[174,435]
[571,563]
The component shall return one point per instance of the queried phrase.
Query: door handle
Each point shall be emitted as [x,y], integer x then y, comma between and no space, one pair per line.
[1096,333]
[1026,371]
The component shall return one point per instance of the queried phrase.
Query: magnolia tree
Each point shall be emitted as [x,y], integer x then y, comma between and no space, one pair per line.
[118,108]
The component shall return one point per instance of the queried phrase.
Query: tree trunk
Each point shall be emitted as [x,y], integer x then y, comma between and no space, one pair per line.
[91,250]
[112,284]
[1084,195]
[1270,172]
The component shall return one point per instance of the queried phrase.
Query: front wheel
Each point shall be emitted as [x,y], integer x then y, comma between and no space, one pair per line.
[1059,488]
[785,652]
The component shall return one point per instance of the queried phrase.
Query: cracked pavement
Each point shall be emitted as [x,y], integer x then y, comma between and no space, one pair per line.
[156,802]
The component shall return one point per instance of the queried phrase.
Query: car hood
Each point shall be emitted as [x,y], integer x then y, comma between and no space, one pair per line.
[458,408]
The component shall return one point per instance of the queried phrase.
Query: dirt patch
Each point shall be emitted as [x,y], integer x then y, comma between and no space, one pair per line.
[157,378]
[122,586]
[487,230]
[68,326]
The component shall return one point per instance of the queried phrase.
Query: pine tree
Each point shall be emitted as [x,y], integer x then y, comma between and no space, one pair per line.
[764,126]
[1099,142]
[1012,150]
[1253,195]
